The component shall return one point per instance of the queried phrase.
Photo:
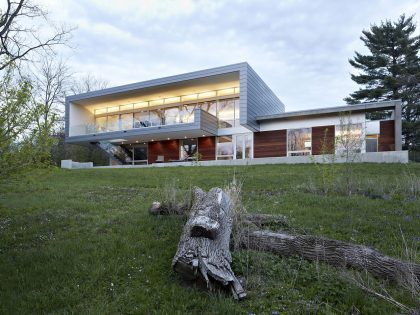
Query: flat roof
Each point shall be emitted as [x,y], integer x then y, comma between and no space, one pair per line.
[370,106]
[174,79]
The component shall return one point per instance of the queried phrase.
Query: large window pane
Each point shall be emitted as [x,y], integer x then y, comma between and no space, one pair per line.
[100,124]
[248,146]
[156,117]
[141,119]
[140,152]
[224,148]
[126,121]
[239,146]
[172,116]
[237,124]
[299,141]
[348,138]
[187,113]
[210,107]
[113,123]
[188,148]
[226,113]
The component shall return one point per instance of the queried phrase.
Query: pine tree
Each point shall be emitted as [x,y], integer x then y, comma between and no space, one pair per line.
[391,71]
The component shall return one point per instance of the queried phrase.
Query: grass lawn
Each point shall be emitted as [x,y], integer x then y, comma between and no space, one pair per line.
[82,241]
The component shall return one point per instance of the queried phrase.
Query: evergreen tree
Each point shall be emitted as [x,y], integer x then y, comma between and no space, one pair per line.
[391,71]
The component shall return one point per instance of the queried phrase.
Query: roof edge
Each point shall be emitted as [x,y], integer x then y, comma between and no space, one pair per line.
[330,110]
[159,81]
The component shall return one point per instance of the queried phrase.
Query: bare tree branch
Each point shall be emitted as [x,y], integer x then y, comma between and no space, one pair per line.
[21,26]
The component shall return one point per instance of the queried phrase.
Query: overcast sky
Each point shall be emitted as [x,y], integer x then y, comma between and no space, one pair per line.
[299,48]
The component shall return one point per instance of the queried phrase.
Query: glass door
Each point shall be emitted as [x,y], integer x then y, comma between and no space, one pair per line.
[139,154]
[243,146]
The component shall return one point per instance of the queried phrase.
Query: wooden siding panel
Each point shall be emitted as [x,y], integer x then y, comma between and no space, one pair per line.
[270,143]
[386,136]
[169,149]
[323,139]
[207,148]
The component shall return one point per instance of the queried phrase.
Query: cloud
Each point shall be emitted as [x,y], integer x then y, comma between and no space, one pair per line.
[300,48]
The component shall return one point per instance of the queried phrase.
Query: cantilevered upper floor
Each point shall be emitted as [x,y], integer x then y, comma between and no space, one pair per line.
[201,103]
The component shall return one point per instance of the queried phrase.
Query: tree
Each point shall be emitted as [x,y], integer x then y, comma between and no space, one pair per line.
[391,71]
[24,30]
[88,83]
[88,153]
[19,141]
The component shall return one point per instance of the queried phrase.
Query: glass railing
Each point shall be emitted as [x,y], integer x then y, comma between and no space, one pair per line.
[119,124]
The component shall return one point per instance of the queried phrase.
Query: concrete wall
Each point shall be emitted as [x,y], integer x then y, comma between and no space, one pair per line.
[79,116]
[370,157]
[69,164]
[309,122]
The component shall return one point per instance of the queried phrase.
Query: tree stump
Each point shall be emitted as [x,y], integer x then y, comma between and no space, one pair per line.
[203,250]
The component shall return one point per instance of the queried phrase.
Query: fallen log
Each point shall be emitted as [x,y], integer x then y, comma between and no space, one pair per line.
[333,252]
[203,250]
[158,208]
[260,219]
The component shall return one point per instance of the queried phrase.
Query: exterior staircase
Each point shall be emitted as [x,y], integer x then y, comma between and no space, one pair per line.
[117,154]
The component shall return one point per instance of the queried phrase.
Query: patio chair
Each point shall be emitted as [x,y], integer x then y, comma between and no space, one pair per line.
[160,159]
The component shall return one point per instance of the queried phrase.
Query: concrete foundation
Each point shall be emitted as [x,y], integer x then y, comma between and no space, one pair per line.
[369,157]
[69,164]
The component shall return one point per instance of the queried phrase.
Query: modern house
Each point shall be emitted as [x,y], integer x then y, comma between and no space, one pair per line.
[224,113]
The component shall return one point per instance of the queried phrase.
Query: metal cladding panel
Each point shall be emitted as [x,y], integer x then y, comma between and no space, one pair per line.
[134,132]
[257,99]
[208,122]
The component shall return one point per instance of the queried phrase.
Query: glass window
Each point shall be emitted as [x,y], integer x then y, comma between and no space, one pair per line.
[372,143]
[237,117]
[209,107]
[226,92]
[299,141]
[226,113]
[239,146]
[126,121]
[188,148]
[348,138]
[156,117]
[100,124]
[248,146]
[171,116]
[141,119]
[224,148]
[187,113]
[113,123]
[140,152]
[379,115]
[126,107]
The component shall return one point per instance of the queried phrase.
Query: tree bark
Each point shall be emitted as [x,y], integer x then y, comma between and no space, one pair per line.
[333,252]
[203,250]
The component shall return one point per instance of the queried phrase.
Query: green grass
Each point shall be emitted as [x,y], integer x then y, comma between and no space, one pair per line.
[82,242]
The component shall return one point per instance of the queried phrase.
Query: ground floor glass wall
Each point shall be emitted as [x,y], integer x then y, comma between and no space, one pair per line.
[234,147]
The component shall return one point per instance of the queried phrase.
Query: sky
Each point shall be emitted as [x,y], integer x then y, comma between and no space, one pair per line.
[300,48]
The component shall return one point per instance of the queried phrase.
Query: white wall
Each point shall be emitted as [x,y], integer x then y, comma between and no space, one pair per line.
[309,122]
[79,117]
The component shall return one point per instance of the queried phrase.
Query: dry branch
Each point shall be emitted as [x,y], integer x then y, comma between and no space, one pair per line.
[333,252]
